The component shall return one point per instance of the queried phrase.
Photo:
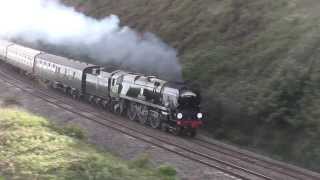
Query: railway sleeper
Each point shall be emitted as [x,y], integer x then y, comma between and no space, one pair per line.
[180,131]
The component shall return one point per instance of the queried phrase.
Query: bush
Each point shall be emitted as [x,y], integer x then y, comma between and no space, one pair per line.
[71,130]
[142,161]
[166,170]
[75,131]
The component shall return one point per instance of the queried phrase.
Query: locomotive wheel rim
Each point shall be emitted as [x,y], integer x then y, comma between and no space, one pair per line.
[192,133]
[132,112]
[142,119]
[142,114]
[177,131]
[155,122]
[164,127]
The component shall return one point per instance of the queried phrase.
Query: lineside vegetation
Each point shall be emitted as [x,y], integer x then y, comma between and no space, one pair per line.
[256,61]
[32,148]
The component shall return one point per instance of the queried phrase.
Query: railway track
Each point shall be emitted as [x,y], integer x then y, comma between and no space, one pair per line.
[267,163]
[196,150]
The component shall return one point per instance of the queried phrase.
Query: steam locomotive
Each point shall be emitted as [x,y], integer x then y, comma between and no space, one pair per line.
[168,106]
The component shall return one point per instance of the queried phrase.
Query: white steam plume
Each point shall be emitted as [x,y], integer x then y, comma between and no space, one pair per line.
[105,41]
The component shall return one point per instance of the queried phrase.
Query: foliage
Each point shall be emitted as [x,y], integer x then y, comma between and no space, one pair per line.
[142,161]
[167,170]
[255,61]
[32,148]
[71,130]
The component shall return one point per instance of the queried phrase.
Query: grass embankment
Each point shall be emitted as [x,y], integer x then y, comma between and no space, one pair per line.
[32,148]
[256,61]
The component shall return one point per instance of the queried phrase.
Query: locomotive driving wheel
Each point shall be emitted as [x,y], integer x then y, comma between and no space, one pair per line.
[164,127]
[132,111]
[142,114]
[155,121]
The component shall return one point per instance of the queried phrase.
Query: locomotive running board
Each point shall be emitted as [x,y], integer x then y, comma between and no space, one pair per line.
[144,102]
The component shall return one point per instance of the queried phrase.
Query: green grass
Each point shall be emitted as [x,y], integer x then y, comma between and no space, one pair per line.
[256,62]
[32,148]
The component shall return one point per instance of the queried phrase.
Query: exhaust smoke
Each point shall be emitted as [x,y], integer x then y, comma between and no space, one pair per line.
[104,41]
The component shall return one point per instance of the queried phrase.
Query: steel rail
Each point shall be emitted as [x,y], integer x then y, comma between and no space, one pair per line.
[293,172]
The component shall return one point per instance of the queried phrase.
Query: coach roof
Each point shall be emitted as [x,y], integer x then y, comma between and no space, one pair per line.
[22,50]
[64,61]
[5,43]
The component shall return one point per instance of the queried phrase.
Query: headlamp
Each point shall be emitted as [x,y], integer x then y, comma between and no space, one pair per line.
[199,115]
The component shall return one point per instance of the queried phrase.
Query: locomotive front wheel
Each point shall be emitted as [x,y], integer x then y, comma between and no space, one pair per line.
[192,133]
[177,131]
